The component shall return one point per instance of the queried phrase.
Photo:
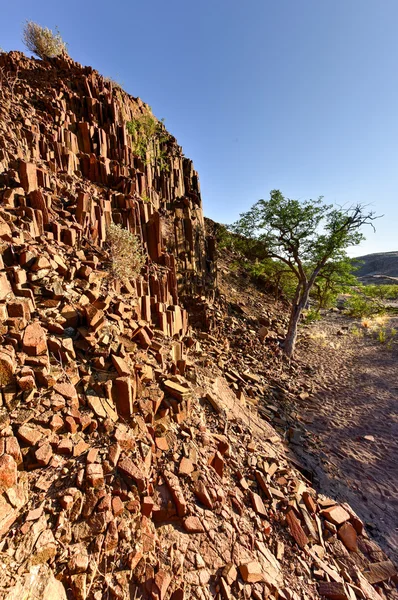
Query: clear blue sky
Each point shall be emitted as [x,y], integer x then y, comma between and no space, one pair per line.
[299,95]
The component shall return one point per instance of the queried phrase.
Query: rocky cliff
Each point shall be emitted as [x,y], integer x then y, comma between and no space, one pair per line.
[137,455]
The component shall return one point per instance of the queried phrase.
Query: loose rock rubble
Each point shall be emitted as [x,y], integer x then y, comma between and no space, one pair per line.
[140,456]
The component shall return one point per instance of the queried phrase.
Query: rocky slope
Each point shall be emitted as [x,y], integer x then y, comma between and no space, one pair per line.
[143,454]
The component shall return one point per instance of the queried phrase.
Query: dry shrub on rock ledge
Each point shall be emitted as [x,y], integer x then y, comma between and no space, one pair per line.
[126,253]
[42,41]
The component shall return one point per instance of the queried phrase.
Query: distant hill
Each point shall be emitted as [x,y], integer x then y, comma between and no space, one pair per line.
[381,267]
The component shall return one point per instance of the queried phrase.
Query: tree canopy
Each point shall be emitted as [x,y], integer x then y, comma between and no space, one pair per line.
[308,236]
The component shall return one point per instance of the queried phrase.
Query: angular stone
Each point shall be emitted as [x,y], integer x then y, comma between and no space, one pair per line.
[44,454]
[126,466]
[380,571]
[295,528]
[186,467]
[348,536]
[121,366]
[203,495]
[174,486]
[30,434]
[336,515]
[162,582]
[309,502]
[5,286]
[8,472]
[333,590]
[95,475]
[251,572]
[7,368]
[68,391]
[193,525]
[35,340]
[258,504]
[123,394]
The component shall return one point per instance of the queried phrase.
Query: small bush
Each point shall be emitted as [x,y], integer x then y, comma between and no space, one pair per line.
[126,253]
[360,306]
[42,41]
[311,316]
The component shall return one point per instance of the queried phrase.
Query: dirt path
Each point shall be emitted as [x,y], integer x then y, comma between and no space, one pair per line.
[355,395]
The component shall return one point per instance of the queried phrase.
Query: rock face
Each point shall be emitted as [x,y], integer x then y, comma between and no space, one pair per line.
[71,170]
[127,470]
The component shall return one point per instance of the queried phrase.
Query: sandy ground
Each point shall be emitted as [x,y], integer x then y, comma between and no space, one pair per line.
[355,394]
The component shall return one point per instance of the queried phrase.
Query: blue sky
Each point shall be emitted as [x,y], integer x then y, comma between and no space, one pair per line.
[298,95]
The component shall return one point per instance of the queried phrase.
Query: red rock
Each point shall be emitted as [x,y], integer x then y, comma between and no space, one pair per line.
[161,443]
[186,467]
[71,424]
[26,383]
[121,366]
[193,525]
[44,454]
[95,475]
[162,582]
[28,174]
[295,528]
[114,453]
[56,423]
[117,506]
[309,503]
[174,486]
[348,536]
[218,464]
[380,571]
[95,317]
[35,340]
[29,434]
[333,590]
[147,506]
[112,537]
[5,286]
[68,391]
[126,466]
[92,455]
[203,495]
[336,515]
[7,368]
[251,572]
[8,472]
[12,448]
[65,446]
[258,504]
[123,394]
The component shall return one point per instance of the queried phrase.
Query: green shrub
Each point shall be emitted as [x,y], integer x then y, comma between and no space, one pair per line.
[126,253]
[42,41]
[148,135]
[359,306]
[311,316]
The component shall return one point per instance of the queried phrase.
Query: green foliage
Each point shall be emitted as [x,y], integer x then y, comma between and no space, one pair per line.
[311,315]
[145,198]
[148,135]
[360,306]
[335,278]
[126,253]
[42,41]
[307,237]
[382,292]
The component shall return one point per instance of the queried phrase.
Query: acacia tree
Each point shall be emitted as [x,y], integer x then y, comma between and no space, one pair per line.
[306,236]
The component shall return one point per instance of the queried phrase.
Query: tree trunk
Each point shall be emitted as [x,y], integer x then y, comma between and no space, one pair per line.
[297,309]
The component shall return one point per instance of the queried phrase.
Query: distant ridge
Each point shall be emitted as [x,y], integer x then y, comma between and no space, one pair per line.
[377,267]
